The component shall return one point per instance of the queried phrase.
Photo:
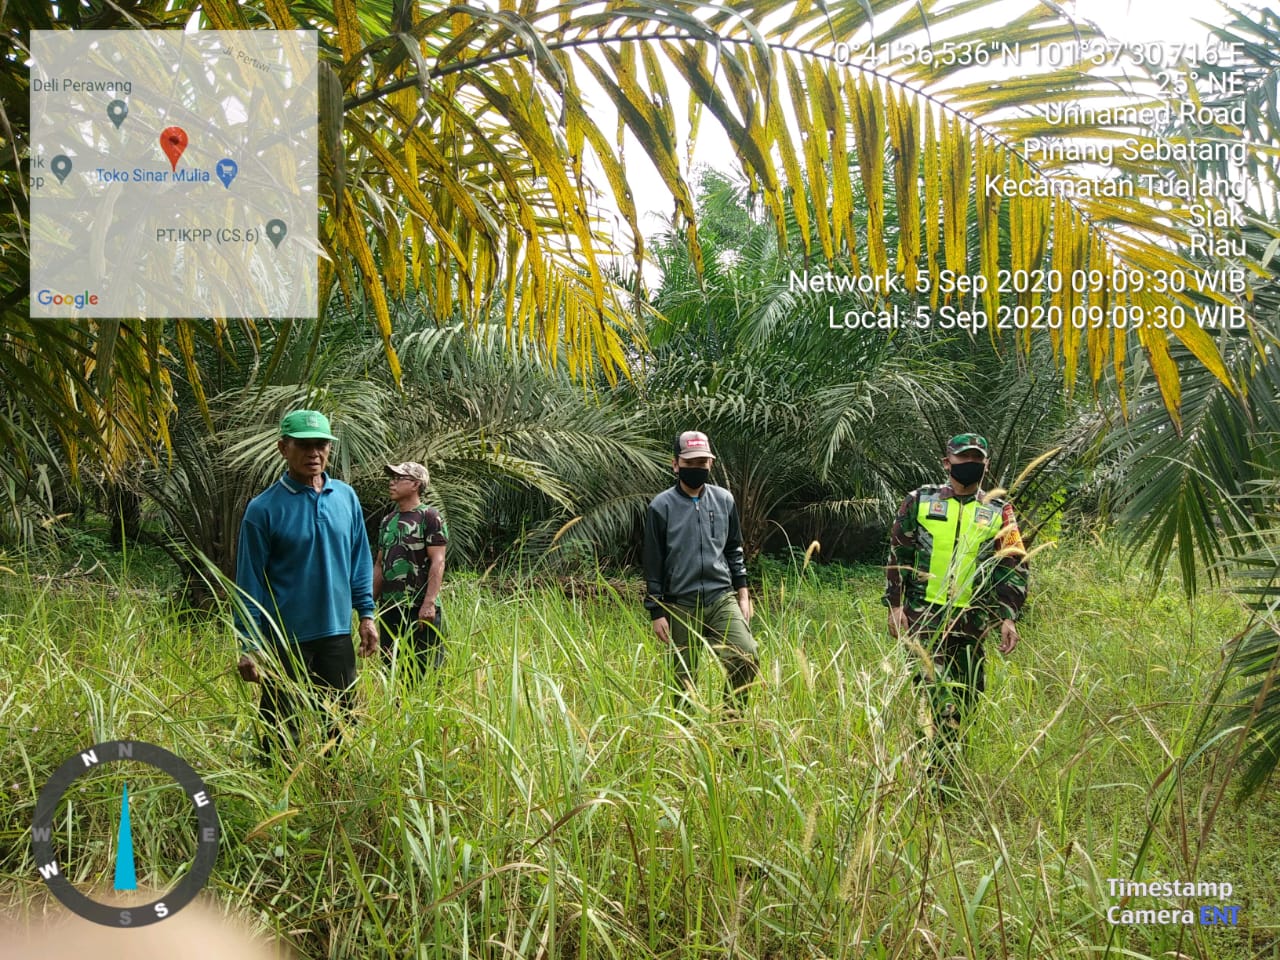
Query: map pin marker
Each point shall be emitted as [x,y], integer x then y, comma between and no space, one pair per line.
[226,171]
[61,166]
[173,140]
[117,110]
[276,229]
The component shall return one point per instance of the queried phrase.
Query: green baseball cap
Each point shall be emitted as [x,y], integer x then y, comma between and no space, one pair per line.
[968,441]
[305,425]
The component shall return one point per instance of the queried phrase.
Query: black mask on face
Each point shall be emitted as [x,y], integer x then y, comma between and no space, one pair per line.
[693,477]
[967,472]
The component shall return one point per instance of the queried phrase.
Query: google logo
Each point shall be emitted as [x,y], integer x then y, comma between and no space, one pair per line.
[47,298]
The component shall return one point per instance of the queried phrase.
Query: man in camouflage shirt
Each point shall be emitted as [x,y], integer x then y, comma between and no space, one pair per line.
[409,567]
[957,566]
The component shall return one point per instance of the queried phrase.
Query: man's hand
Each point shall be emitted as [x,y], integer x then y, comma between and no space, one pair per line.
[897,622]
[662,627]
[428,611]
[745,605]
[368,637]
[1008,636]
[248,668]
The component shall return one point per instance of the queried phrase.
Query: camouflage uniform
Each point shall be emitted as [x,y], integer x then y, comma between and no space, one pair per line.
[952,594]
[403,538]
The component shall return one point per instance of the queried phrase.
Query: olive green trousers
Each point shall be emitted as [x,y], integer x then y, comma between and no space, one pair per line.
[719,624]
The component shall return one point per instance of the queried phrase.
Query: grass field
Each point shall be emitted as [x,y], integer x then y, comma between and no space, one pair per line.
[539,799]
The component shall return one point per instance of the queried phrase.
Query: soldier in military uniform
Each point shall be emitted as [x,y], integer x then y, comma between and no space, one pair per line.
[956,568]
[409,567]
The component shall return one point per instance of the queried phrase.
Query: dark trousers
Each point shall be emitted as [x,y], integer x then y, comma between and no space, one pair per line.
[951,674]
[318,673]
[400,619]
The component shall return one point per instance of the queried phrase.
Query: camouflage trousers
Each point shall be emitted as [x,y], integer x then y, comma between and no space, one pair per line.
[950,674]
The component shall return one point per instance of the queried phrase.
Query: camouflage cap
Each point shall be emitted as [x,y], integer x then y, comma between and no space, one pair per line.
[410,469]
[968,441]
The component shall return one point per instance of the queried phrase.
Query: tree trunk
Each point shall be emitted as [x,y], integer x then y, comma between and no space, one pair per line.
[124,515]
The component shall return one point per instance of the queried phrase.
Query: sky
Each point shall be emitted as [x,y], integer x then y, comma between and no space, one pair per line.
[1138,20]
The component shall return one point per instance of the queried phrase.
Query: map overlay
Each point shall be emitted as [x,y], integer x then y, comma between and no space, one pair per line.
[174,174]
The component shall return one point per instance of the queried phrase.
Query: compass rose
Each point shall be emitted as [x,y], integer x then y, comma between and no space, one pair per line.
[88,764]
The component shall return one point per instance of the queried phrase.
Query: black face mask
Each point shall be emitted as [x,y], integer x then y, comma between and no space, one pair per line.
[967,472]
[693,477]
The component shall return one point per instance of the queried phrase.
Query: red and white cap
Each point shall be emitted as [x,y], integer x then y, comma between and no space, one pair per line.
[693,443]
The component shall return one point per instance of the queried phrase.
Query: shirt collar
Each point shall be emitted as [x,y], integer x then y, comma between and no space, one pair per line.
[948,492]
[293,486]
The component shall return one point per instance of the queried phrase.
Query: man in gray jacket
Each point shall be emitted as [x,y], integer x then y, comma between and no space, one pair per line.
[696,588]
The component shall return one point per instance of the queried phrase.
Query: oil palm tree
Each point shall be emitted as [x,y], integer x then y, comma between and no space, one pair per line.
[820,429]
[1205,495]
[515,452]
[464,134]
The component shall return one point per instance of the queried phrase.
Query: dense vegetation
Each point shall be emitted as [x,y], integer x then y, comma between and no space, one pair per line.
[539,798]
[479,316]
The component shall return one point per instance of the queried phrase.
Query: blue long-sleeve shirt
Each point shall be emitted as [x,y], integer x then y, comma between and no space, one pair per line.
[303,562]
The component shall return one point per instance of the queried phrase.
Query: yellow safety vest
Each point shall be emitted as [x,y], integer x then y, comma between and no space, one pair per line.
[954,536]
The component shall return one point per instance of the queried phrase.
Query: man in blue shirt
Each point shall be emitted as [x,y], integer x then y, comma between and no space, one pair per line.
[303,563]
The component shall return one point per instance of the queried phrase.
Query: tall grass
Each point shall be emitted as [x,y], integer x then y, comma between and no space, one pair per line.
[539,798]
